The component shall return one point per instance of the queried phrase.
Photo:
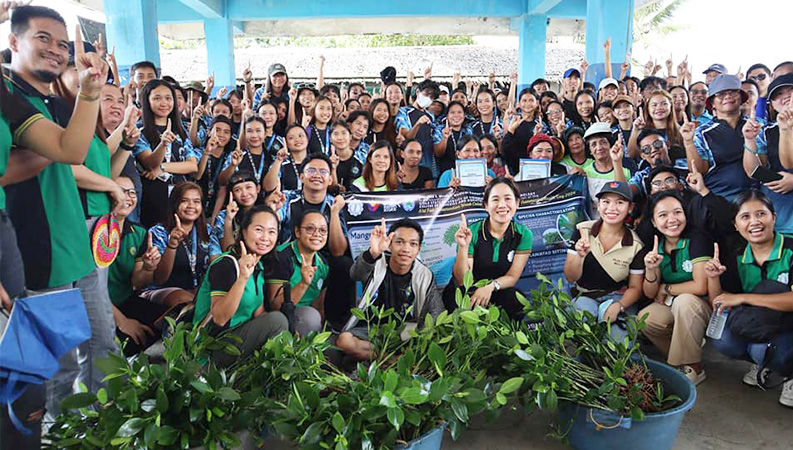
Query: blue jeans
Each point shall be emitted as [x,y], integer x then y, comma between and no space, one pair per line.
[738,348]
[77,366]
[592,305]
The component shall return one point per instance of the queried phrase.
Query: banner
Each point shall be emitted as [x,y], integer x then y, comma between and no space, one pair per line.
[550,208]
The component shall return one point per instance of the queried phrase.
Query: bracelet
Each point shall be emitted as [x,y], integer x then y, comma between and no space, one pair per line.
[651,281]
[87,98]
[174,247]
[668,288]
[126,147]
[749,150]
[622,307]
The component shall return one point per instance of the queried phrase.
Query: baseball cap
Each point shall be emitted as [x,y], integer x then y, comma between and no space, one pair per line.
[622,98]
[276,68]
[570,72]
[608,82]
[716,68]
[241,177]
[194,85]
[779,82]
[444,88]
[598,128]
[616,187]
[724,82]
[571,131]
[388,75]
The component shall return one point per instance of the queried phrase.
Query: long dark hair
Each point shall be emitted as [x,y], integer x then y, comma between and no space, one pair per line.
[389,131]
[150,131]
[654,200]
[577,119]
[173,205]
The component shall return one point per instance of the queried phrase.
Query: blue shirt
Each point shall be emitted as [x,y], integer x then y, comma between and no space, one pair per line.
[722,147]
[294,207]
[703,119]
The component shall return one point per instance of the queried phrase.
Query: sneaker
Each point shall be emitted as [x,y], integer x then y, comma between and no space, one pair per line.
[750,377]
[692,374]
[787,394]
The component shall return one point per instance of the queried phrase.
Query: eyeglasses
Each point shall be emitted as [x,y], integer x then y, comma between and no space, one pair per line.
[658,144]
[553,112]
[131,193]
[759,77]
[730,93]
[311,171]
[311,230]
[699,92]
[668,182]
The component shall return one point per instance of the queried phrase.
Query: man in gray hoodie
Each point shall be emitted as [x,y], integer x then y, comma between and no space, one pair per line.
[392,278]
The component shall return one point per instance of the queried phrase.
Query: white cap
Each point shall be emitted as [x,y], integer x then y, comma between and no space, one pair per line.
[444,88]
[608,82]
[598,128]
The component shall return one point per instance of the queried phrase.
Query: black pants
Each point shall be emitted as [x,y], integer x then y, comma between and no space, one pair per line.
[154,204]
[340,294]
[146,312]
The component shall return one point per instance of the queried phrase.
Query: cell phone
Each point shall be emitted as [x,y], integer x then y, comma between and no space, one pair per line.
[764,175]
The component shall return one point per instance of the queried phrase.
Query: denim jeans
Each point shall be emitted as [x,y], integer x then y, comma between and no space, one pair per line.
[77,366]
[738,348]
[618,332]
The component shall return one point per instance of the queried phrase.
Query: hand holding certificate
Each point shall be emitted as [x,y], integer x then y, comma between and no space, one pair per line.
[472,172]
[533,169]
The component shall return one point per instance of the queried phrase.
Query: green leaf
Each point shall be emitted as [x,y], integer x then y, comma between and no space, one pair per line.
[501,398]
[551,400]
[131,427]
[470,317]
[113,364]
[391,381]
[468,280]
[358,314]
[405,363]
[338,423]
[151,434]
[228,394]
[201,387]
[162,400]
[413,396]
[148,405]
[101,395]
[77,401]
[437,357]
[523,355]
[511,385]
[321,338]
[460,410]
[388,400]
[521,337]
[395,417]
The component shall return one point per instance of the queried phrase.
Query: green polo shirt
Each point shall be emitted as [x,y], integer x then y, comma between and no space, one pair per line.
[777,267]
[48,215]
[288,253]
[9,137]
[568,162]
[218,281]
[119,274]
[678,266]
[98,161]
[493,257]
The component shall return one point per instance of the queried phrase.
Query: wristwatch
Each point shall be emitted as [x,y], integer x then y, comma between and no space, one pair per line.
[668,288]
[497,285]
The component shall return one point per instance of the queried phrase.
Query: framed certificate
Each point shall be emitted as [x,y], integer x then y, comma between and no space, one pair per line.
[533,169]
[472,172]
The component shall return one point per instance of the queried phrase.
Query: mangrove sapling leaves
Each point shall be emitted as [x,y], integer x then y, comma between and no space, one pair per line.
[79,400]
[437,357]
[468,280]
[511,385]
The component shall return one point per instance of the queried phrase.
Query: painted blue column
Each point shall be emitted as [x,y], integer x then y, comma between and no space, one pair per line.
[132,28]
[219,35]
[607,19]
[532,29]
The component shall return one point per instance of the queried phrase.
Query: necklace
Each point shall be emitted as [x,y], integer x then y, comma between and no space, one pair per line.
[192,257]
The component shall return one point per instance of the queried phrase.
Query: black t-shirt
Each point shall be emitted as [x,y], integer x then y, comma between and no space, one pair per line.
[255,164]
[374,136]
[348,170]
[290,174]
[424,175]
[396,292]
[448,159]
[318,140]
[569,108]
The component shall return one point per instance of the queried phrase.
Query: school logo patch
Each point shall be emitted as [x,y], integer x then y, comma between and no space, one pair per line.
[408,206]
[688,266]
[355,208]
[133,250]
[783,277]
[355,171]
[511,255]
[319,284]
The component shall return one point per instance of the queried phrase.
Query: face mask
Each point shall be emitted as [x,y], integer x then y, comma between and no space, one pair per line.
[423,101]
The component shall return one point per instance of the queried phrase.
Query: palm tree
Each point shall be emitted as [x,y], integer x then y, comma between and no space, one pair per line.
[653,21]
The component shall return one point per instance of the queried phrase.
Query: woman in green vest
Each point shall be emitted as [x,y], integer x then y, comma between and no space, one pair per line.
[239,286]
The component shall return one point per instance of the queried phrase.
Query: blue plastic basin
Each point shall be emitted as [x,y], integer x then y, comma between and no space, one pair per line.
[429,441]
[597,429]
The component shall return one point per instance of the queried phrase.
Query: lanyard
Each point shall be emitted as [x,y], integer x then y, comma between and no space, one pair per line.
[257,173]
[489,129]
[326,145]
[192,257]
[454,139]
[294,169]
[270,143]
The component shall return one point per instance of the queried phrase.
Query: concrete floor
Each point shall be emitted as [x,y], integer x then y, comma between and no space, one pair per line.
[727,415]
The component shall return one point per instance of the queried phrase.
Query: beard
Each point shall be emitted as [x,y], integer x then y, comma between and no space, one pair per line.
[45,75]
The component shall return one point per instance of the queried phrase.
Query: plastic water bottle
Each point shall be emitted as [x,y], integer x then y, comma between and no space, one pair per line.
[717,322]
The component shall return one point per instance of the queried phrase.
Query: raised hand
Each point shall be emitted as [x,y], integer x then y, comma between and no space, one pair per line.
[275,200]
[334,158]
[131,134]
[101,51]
[639,124]
[151,259]
[714,267]
[236,157]
[210,82]
[669,65]
[617,152]
[338,204]
[652,260]
[507,173]
[584,67]
[454,182]
[400,173]
[688,129]
[118,198]
[282,155]
[538,127]
[582,246]
[232,208]
[463,234]
[751,129]
[6,7]
[496,129]
[428,72]
[607,46]
[491,78]
[177,234]
[424,120]
[379,239]
[307,269]
[247,262]
[199,110]
[222,92]
[91,69]
[247,74]
[168,136]
[696,182]
[785,119]
[648,67]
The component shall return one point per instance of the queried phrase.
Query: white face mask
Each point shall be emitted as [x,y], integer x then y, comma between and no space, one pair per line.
[423,101]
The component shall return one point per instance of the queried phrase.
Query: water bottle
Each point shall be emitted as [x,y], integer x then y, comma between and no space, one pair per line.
[717,322]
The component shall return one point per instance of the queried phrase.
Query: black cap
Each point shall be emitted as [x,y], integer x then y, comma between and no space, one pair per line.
[779,82]
[241,177]
[388,75]
[616,187]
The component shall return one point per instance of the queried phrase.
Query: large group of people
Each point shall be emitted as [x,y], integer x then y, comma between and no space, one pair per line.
[230,202]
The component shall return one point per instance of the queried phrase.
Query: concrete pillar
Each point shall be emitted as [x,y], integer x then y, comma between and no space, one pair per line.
[607,19]
[132,28]
[219,35]
[532,29]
